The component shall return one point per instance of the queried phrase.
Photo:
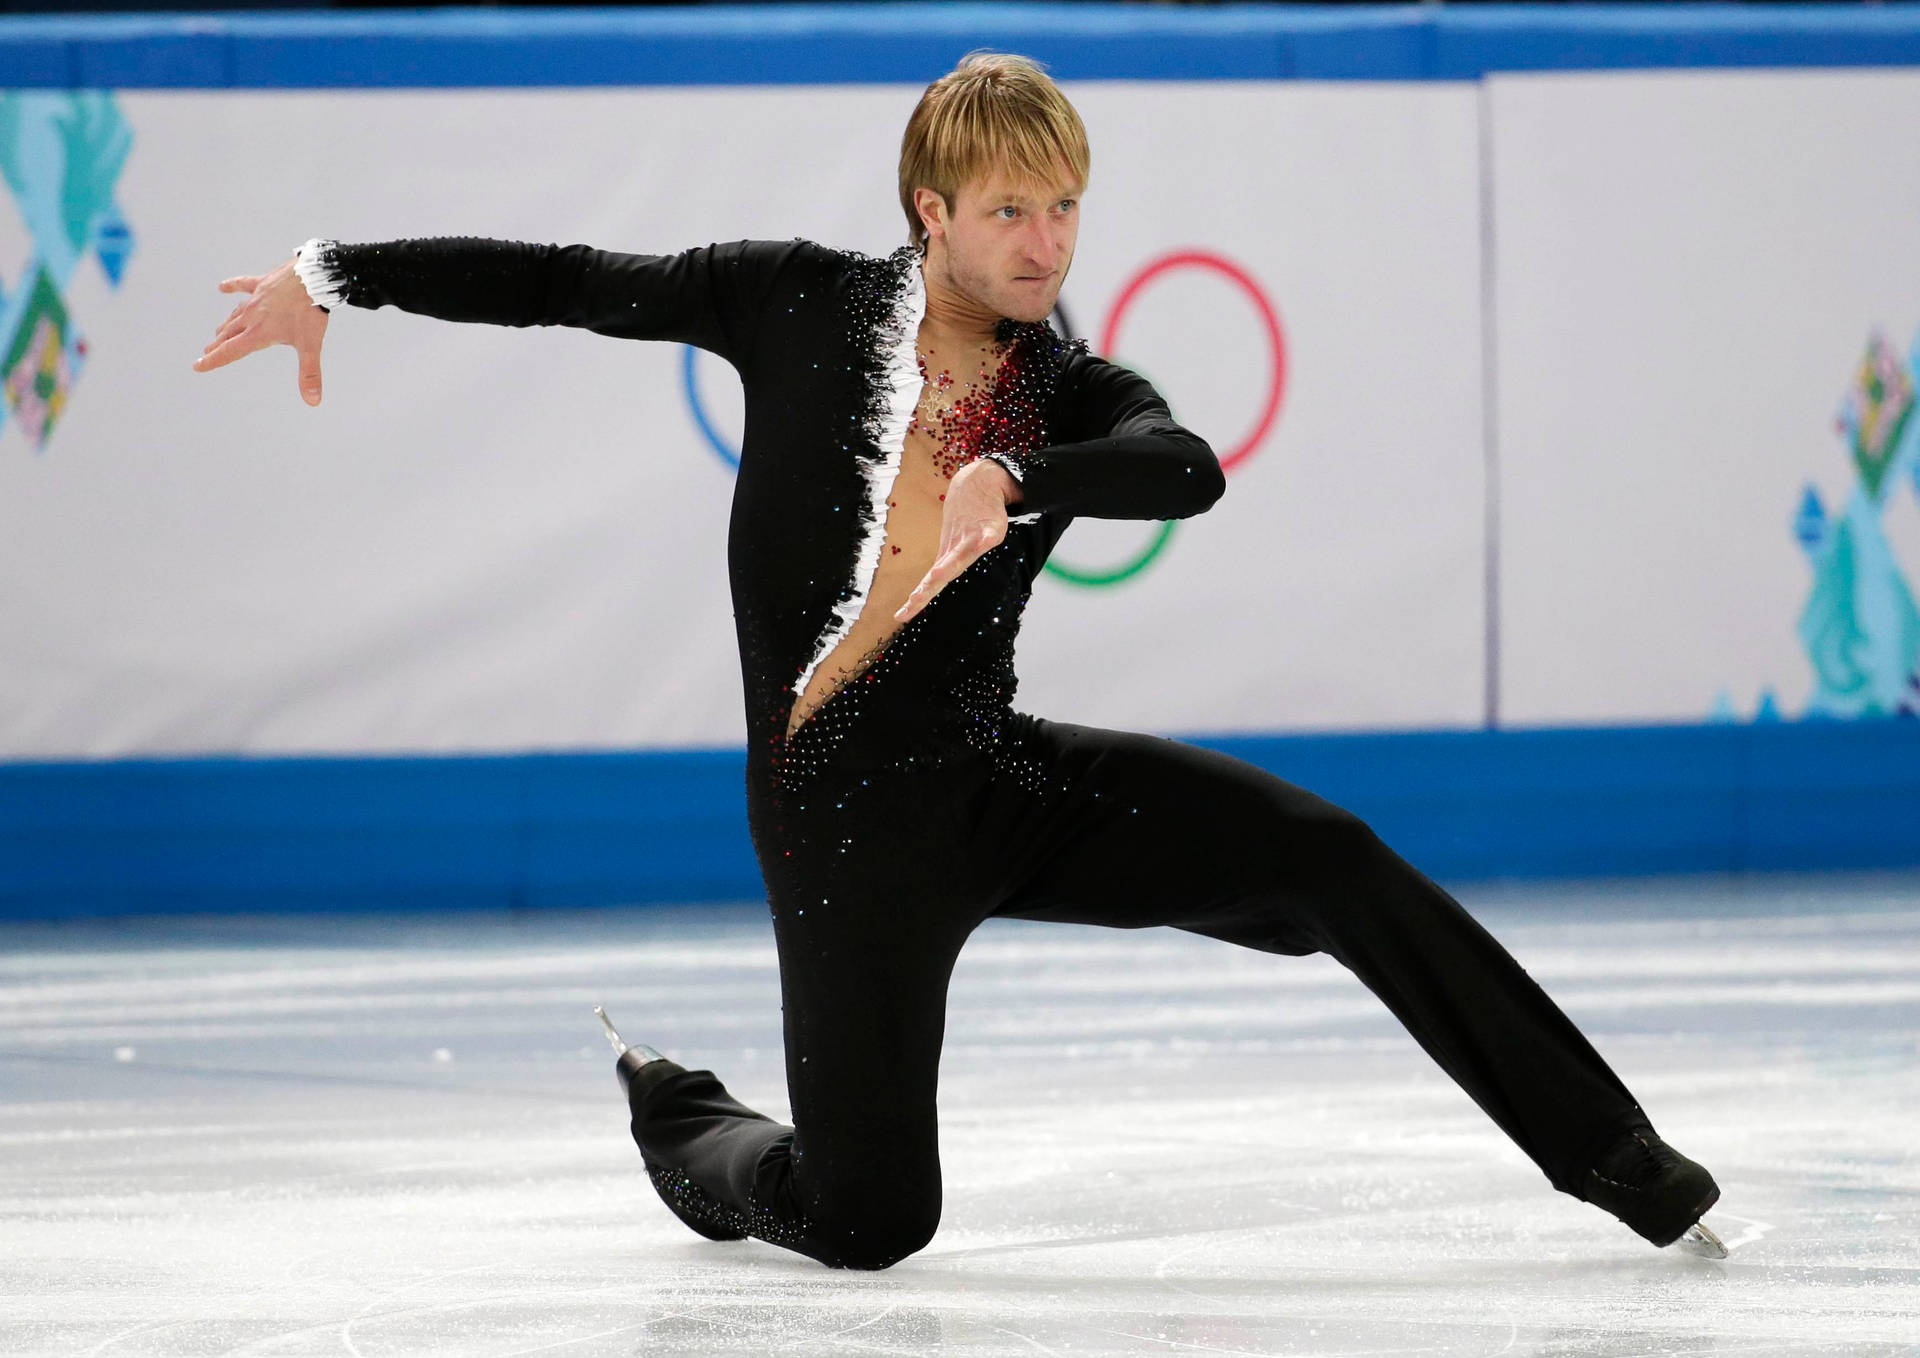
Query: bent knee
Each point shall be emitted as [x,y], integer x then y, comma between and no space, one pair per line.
[1332,843]
[879,1237]
[1358,844]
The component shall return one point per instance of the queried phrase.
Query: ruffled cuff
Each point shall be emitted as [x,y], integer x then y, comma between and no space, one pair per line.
[320,273]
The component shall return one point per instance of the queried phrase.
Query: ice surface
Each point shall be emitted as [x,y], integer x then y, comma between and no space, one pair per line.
[360,1136]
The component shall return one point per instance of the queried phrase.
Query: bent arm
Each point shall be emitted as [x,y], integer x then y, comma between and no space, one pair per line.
[1140,464]
[710,296]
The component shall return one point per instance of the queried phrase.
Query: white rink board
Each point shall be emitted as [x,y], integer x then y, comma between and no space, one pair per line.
[1689,267]
[490,539]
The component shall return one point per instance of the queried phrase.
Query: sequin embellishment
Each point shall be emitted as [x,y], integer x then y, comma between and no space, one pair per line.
[716,1220]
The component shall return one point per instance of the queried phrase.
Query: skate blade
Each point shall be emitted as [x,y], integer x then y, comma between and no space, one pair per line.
[613,1034]
[1701,1242]
[621,1046]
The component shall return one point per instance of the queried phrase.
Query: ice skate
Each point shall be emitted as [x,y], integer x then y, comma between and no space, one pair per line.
[684,1198]
[1657,1191]
[628,1058]
[1701,1240]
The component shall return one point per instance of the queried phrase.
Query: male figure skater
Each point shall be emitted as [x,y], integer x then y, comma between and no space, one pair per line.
[917,439]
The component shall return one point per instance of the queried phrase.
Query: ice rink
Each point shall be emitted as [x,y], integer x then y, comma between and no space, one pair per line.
[402,1136]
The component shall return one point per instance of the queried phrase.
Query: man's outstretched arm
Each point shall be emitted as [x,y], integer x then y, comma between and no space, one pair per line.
[706,296]
[710,296]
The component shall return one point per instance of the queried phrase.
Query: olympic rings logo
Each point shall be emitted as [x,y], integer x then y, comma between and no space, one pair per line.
[1152,272]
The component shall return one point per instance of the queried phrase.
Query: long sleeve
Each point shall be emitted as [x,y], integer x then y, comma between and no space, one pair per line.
[1132,461]
[710,296]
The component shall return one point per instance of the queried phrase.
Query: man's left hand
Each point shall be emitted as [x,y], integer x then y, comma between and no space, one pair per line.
[972,523]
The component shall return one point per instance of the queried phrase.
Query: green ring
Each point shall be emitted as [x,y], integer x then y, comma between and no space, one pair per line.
[1073,575]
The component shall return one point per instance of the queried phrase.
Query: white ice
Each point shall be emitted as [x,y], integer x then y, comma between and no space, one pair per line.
[362,1136]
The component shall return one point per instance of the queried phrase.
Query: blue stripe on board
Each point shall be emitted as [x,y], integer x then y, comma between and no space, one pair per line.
[152,835]
[866,43]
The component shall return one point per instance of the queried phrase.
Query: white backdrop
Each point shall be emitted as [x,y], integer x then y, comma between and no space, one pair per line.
[489,539]
[1690,267]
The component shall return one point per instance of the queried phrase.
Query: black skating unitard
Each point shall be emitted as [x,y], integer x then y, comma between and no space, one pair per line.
[914,802]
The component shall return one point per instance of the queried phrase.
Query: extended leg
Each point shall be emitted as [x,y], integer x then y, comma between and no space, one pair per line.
[1154,831]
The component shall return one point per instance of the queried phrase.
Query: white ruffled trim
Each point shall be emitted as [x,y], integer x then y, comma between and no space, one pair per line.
[901,391]
[313,261]
[1012,466]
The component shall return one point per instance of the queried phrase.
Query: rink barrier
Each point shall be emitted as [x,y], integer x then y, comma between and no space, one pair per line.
[509,831]
[882,43]
[540,829]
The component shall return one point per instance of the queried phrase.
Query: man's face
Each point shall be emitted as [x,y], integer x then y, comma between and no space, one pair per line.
[1009,243]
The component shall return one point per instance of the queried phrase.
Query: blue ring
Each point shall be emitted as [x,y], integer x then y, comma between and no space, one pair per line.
[714,441]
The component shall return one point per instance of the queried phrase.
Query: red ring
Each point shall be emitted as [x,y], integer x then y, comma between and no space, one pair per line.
[1206,259]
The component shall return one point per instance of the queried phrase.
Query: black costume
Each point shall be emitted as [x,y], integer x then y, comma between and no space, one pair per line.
[914,802]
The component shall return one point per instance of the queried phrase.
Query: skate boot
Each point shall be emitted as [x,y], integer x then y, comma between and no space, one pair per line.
[1657,1191]
[638,1067]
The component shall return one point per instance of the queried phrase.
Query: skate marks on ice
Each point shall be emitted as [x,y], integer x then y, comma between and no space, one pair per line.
[1750,1229]
[351,1136]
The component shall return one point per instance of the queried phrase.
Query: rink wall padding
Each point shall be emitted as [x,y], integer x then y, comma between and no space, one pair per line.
[166,835]
[880,43]
[505,832]
[1557,559]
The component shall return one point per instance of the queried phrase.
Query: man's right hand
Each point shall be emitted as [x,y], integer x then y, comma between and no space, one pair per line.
[277,310]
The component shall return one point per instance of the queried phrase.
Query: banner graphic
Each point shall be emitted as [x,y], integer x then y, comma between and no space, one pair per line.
[61,152]
[1692,270]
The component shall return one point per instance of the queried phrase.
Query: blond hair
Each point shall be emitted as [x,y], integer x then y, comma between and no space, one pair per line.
[995,110]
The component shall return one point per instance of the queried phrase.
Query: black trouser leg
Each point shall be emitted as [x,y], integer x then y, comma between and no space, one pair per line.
[867,940]
[877,883]
[1155,831]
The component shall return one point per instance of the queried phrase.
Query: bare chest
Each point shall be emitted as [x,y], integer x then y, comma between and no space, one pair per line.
[941,438]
